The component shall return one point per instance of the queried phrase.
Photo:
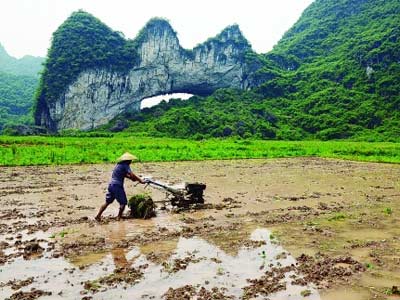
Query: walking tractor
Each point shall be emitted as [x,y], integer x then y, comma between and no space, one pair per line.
[190,194]
[142,205]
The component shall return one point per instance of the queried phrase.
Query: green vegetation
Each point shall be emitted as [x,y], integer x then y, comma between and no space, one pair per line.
[343,71]
[237,113]
[369,266]
[394,290]
[18,82]
[82,42]
[75,150]
[225,113]
[388,210]
[337,217]
[220,271]
[92,286]
[16,99]
[141,206]
[334,75]
[62,233]
[305,293]
[225,36]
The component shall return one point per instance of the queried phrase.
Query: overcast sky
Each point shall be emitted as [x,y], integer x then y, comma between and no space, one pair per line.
[26,25]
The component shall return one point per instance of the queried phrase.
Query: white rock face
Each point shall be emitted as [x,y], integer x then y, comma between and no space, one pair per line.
[97,96]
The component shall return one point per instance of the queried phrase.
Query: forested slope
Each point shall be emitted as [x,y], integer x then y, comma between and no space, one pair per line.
[16,98]
[18,83]
[334,74]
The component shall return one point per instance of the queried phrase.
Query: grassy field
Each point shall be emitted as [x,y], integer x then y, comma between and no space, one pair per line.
[20,151]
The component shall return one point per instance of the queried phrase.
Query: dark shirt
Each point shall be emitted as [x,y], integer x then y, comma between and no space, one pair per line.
[119,173]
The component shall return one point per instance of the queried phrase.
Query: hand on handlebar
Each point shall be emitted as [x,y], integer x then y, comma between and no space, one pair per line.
[145,181]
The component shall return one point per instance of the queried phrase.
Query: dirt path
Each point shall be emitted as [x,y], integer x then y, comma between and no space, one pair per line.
[278,229]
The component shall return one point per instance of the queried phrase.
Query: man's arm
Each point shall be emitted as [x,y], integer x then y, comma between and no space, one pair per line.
[134,177]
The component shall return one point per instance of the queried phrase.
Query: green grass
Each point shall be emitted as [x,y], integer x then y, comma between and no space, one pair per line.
[388,211]
[20,151]
[338,217]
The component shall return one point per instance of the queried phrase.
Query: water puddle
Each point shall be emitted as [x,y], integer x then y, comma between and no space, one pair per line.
[346,293]
[201,263]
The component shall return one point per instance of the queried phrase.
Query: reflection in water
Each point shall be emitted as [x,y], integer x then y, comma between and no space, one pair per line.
[119,257]
[159,251]
[113,234]
[88,259]
[118,254]
[211,267]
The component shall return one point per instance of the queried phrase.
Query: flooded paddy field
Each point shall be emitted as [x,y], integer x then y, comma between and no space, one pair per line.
[301,228]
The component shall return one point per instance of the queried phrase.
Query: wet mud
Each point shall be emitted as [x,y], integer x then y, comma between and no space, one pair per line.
[299,228]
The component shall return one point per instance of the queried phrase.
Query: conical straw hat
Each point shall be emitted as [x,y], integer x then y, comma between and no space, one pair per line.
[127,156]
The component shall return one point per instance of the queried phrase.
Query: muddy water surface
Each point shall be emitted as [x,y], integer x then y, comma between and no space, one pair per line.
[276,229]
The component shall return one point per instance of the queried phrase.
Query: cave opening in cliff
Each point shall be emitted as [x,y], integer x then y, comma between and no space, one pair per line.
[152,101]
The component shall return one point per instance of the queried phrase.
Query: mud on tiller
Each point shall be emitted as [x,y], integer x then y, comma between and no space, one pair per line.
[191,194]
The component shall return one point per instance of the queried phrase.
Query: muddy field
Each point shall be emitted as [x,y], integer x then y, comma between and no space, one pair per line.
[303,228]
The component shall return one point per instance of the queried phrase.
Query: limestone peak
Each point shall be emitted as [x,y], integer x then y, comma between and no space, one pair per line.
[157,26]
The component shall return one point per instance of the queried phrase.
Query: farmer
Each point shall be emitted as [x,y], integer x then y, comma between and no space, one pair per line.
[116,185]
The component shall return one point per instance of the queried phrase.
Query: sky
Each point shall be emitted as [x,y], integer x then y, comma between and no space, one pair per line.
[26,26]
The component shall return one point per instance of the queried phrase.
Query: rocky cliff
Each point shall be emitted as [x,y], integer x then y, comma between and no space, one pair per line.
[158,65]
